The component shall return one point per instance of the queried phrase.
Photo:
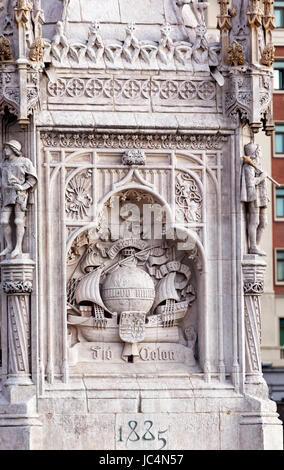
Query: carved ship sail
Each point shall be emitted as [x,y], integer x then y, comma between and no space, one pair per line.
[166,291]
[88,289]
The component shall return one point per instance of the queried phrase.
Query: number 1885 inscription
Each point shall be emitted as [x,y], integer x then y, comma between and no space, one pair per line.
[135,433]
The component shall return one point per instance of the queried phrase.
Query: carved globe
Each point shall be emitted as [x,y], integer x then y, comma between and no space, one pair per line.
[128,289]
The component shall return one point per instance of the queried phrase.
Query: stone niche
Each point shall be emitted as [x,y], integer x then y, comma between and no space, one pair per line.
[134,265]
[131,299]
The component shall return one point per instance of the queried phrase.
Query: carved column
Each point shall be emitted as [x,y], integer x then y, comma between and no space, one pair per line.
[17,276]
[253,267]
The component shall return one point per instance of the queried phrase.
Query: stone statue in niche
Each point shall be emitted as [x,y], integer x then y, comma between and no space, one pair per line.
[254,195]
[132,291]
[18,180]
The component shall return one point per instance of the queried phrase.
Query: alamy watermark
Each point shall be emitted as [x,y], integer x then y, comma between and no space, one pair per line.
[146,221]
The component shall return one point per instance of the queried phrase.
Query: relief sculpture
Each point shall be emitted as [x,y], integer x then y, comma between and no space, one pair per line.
[132,290]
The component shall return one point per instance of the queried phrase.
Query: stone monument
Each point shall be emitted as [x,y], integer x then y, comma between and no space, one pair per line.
[131,266]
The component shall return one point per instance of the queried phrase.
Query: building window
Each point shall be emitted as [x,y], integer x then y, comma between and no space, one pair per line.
[279,138]
[279,202]
[278,75]
[280,266]
[281,328]
[281,324]
[279,14]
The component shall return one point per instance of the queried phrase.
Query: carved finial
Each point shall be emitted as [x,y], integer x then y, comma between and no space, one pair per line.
[254,14]
[224,19]
[268,18]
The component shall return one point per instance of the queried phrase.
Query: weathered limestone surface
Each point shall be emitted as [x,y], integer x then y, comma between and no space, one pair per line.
[131,267]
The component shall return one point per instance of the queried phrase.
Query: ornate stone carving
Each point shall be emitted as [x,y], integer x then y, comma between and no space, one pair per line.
[19,335]
[255,288]
[137,286]
[5,49]
[254,14]
[132,141]
[235,54]
[188,199]
[132,52]
[134,157]
[268,17]
[183,91]
[24,7]
[224,19]
[37,50]
[267,57]
[17,287]
[253,273]
[18,179]
[238,97]
[78,199]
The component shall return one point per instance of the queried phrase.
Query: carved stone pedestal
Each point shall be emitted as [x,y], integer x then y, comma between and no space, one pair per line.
[259,424]
[253,281]
[20,427]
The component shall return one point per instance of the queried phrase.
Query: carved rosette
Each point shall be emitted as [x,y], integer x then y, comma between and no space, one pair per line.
[17,275]
[253,275]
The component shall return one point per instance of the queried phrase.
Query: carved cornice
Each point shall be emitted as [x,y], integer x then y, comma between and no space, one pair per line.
[133,141]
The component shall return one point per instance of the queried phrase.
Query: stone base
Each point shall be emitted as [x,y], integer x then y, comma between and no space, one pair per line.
[20,425]
[169,413]
[138,412]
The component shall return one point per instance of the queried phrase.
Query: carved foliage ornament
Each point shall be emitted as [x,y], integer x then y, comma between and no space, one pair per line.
[253,288]
[17,287]
[267,57]
[5,49]
[134,157]
[235,54]
[188,198]
[133,141]
[37,50]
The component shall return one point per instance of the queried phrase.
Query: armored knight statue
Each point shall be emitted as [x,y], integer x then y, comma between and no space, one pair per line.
[18,179]
[254,194]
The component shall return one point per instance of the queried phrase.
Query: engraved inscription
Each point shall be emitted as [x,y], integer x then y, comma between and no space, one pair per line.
[144,432]
[146,354]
